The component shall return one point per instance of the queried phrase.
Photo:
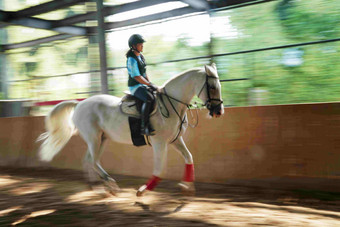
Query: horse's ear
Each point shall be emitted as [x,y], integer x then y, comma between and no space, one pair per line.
[214,66]
[211,70]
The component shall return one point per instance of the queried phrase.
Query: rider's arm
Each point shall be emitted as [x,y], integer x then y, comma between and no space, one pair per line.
[147,78]
[142,80]
[134,72]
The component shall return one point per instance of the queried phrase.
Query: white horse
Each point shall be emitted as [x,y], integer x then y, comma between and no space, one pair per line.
[99,117]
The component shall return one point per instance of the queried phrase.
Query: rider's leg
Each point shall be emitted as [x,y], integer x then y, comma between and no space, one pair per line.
[143,94]
[145,116]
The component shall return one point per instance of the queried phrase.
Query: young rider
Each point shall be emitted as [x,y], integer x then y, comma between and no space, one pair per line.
[138,80]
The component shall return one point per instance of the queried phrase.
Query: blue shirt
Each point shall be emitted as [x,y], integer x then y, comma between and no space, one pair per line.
[133,70]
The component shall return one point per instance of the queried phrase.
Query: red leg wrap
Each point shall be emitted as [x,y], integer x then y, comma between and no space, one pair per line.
[189,175]
[152,183]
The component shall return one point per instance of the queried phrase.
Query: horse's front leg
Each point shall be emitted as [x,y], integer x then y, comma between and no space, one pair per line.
[160,151]
[187,184]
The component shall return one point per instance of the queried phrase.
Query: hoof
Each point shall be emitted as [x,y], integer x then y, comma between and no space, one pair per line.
[141,191]
[111,186]
[99,190]
[188,188]
[95,185]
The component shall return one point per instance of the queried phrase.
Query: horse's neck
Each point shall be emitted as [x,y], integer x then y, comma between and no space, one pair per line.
[185,86]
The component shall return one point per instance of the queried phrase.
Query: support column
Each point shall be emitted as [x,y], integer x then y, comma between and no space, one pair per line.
[3,76]
[3,63]
[93,51]
[102,47]
[93,59]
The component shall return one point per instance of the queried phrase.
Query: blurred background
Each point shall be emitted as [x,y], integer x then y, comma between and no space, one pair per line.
[273,52]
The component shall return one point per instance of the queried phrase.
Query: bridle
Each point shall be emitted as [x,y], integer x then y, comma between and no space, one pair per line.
[209,101]
[208,104]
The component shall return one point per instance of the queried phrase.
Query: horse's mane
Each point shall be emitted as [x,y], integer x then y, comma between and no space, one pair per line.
[181,74]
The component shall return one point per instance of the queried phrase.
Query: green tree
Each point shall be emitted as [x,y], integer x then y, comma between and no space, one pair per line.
[312,78]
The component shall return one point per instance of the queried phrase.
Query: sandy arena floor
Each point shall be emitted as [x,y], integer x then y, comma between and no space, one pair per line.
[50,197]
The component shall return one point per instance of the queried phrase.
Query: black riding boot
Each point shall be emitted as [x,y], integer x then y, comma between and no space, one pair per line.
[145,128]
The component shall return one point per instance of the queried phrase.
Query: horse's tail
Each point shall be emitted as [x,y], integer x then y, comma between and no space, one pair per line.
[60,128]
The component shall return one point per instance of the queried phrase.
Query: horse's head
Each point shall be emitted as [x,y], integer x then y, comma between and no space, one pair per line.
[210,93]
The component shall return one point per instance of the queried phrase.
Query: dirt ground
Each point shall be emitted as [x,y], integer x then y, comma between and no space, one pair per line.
[50,197]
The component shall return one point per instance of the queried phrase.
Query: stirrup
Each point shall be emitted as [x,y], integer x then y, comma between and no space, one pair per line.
[147,132]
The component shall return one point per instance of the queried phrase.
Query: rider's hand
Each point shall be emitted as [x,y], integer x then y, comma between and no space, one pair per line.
[154,87]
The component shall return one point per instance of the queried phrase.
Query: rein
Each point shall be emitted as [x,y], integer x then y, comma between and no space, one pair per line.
[167,115]
[182,120]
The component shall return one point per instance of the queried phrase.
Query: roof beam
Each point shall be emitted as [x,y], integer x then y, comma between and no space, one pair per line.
[120,8]
[197,4]
[93,30]
[47,7]
[23,18]
[34,42]
[235,3]
[7,18]
[109,10]
[144,19]
[132,6]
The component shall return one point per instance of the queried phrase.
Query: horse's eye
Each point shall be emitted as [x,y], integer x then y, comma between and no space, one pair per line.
[212,88]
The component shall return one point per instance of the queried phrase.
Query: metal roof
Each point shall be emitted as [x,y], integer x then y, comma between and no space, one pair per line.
[75,25]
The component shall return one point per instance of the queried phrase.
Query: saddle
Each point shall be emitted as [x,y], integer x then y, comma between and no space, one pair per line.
[132,106]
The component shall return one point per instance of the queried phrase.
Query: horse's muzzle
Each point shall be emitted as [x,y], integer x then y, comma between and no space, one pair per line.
[216,111]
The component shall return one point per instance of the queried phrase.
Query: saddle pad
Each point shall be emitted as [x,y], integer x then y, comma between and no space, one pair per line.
[137,138]
[130,108]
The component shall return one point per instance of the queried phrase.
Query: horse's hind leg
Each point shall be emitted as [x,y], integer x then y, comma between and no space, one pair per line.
[109,182]
[92,165]
[187,184]
[88,162]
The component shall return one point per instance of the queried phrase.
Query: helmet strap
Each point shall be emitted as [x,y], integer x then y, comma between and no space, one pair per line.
[134,49]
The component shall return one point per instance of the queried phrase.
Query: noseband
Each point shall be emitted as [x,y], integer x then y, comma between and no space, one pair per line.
[209,101]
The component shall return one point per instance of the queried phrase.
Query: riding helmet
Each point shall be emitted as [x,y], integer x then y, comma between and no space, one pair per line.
[134,39]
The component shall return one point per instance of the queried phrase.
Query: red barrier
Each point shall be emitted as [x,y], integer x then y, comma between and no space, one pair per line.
[52,103]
